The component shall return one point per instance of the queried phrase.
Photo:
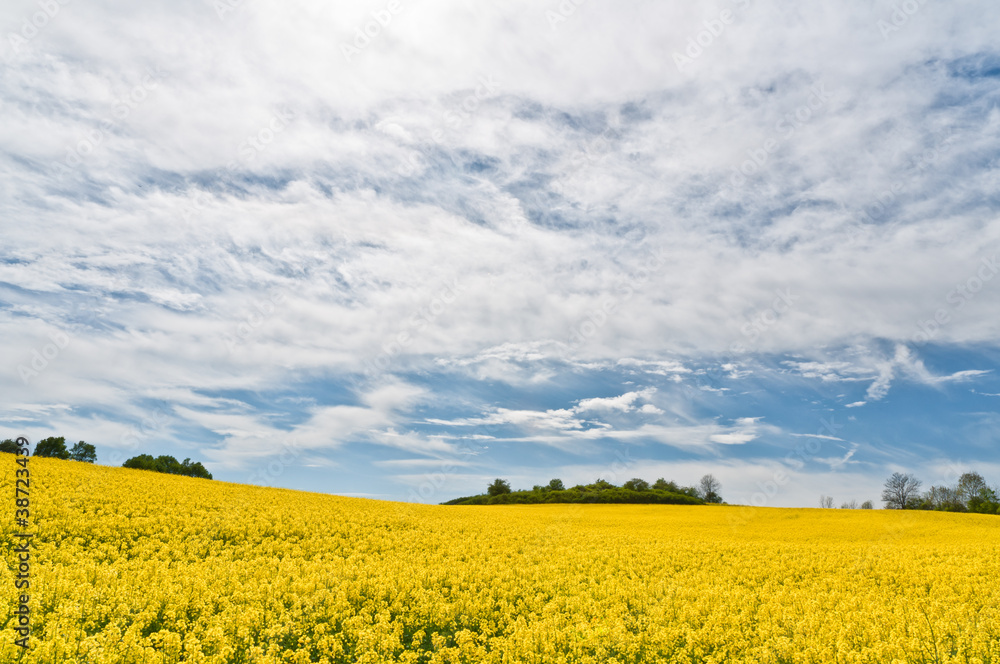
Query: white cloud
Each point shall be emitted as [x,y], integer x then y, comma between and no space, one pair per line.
[906,363]
[838,462]
[624,403]
[579,215]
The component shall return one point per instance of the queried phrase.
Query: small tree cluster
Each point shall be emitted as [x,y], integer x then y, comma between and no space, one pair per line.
[498,487]
[168,464]
[970,494]
[827,502]
[901,491]
[55,448]
[708,489]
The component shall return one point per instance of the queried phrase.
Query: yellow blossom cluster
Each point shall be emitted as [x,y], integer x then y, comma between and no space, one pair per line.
[131,566]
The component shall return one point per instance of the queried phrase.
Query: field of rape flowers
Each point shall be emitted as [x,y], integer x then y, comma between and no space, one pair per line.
[133,566]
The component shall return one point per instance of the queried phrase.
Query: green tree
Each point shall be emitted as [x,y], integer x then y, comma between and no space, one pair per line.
[943,498]
[9,446]
[663,485]
[168,464]
[710,488]
[499,487]
[636,484]
[141,462]
[52,447]
[556,485]
[867,505]
[971,485]
[83,452]
[194,469]
[900,492]
[985,503]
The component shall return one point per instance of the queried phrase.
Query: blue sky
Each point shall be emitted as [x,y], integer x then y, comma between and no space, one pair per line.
[398,249]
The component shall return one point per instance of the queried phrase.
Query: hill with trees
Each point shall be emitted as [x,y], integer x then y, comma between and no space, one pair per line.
[169,465]
[55,448]
[636,490]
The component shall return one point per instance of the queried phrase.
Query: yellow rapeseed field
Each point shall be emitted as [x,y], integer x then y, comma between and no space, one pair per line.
[132,566]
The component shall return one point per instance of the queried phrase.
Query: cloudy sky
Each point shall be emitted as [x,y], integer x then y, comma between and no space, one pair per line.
[399,248]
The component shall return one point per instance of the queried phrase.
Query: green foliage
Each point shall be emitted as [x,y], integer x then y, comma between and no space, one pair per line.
[636,484]
[83,452]
[168,464]
[613,495]
[52,447]
[663,485]
[985,501]
[970,494]
[942,499]
[498,488]
[971,485]
[709,489]
[55,448]
[556,485]
[600,491]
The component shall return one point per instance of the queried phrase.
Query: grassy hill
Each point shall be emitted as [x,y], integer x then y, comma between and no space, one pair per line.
[615,495]
[131,566]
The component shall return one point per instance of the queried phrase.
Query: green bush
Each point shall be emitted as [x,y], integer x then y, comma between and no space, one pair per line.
[636,484]
[499,487]
[168,464]
[52,447]
[84,452]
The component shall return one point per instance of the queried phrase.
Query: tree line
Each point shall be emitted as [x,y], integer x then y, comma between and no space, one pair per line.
[635,490]
[55,448]
[970,494]
[168,464]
